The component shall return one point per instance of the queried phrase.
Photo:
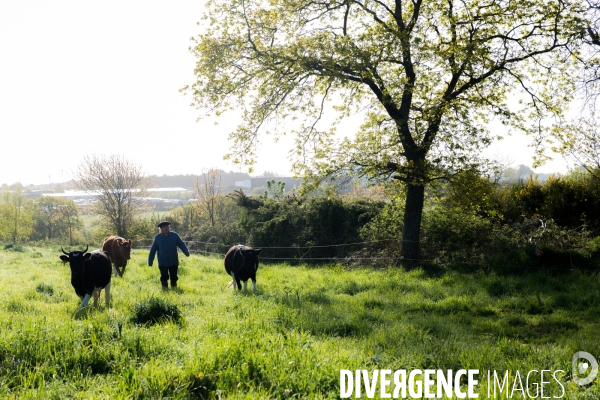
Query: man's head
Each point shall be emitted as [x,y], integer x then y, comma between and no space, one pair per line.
[165,227]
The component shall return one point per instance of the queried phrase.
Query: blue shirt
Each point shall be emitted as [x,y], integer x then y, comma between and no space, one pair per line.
[166,246]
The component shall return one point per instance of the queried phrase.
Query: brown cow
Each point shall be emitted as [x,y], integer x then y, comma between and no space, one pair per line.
[119,250]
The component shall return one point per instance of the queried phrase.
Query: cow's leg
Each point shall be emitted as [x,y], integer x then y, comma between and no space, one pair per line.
[253,277]
[232,279]
[86,300]
[245,286]
[107,294]
[96,296]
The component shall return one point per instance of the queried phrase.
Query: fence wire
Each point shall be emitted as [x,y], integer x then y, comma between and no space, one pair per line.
[374,252]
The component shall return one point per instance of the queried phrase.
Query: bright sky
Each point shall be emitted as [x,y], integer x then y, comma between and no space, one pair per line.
[79,77]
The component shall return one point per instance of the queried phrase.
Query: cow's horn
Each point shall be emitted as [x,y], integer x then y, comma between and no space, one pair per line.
[86,247]
[64,251]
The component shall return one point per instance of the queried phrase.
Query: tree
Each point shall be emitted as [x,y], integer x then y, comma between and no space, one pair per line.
[579,141]
[208,195]
[118,185]
[15,215]
[587,51]
[55,218]
[426,76]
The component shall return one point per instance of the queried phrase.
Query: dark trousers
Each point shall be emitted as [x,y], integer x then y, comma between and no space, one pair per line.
[168,272]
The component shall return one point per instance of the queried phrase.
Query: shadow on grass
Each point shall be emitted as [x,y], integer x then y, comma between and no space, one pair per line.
[539,306]
[90,309]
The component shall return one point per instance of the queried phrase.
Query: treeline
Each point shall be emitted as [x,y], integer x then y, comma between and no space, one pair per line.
[475,222]
[472,222]
[46,219]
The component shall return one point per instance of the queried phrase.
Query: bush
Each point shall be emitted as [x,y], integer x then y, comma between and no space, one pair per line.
[155,310]
[320,227]
[14,247]
[569,201]
[473,193]
[453,236]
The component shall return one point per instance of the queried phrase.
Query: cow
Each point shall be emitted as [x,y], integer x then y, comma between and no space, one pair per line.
[120,251]
[90,273]
[241,262]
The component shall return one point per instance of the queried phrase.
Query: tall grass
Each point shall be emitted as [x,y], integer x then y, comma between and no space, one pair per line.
[290,339]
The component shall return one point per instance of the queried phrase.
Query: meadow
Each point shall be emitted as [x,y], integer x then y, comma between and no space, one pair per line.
[292,337]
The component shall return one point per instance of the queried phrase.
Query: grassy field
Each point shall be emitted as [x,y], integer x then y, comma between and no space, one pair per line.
[292,338]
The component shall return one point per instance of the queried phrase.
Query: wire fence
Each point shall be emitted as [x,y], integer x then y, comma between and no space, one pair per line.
[386,252]
[212,249]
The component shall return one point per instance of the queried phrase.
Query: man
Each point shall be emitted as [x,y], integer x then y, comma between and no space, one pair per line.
[166,243]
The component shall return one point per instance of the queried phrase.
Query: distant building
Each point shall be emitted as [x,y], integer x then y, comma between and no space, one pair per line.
[244,184]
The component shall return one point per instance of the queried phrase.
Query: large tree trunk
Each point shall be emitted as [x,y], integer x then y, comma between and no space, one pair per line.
[413,211]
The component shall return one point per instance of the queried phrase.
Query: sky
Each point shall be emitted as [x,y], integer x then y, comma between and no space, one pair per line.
[80,77]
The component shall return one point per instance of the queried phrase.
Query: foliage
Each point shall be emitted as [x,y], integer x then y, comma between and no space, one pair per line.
[55,219]
[188,217]
[146,227]
[305,228]
[456,240]
[387,224]
[474,224]
[454,230]
[14,247]
[588,79]
[213,221]
[275,190]
[198,225]
[579,141]
[425,95]
[16,216]
[570,201]
[473,193]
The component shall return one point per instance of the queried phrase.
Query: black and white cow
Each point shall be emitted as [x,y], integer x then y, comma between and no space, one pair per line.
[90,273]
[241,262]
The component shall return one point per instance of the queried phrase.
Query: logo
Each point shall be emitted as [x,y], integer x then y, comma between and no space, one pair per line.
[581,368]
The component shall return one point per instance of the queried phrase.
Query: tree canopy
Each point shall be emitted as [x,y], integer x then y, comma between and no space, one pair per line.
[428,76]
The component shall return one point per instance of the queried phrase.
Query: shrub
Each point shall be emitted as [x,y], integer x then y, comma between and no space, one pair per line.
[45,289]
[453,236]
[569,201]
[473,193]
[155,310]
[14,247]
[326,225]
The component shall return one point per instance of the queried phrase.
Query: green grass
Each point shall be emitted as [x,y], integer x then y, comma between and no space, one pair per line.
[289,340]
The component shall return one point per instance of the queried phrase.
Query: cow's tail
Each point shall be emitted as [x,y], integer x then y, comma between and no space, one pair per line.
[232,280]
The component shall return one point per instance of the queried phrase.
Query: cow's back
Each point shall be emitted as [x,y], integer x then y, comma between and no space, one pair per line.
[97,271]
[234,258]
[234,262]
[119,254]
[110,246]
